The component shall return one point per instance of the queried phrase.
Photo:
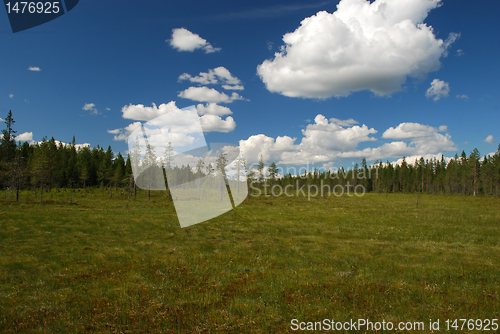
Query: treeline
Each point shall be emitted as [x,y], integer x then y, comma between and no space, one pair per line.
[49,164]
[467,175]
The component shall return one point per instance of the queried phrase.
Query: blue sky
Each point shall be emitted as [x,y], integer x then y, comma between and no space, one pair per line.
[344,77]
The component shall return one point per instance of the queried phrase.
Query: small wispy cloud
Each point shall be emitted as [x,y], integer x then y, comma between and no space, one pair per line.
[272,11]
[34,68]
[91,108]
[11,96]
[462,97]
[460,52]
[438,90]
[184,40]
[490,140]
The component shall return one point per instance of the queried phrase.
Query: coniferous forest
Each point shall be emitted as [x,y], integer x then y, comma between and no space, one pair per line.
[50,164]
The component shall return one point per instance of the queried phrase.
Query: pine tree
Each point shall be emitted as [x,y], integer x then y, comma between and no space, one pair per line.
[240,167]
[8,143]
[474,168]
[273,172]
[221,164]
[260,169]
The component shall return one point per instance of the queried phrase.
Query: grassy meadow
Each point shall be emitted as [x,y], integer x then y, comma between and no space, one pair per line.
[84,262]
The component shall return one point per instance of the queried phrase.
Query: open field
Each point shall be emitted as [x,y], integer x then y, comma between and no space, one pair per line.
[88,263]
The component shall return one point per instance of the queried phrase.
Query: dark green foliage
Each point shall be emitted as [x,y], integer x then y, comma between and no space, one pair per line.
[50,164]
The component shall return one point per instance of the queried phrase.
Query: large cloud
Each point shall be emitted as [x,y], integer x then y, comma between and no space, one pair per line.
[184,40]
[327,141]
[361,46]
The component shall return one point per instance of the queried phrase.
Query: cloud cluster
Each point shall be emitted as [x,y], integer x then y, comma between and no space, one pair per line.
[363,45]
[219,75]
[211,112]
[210,117]
[184,40]
[327,141]
[438,90]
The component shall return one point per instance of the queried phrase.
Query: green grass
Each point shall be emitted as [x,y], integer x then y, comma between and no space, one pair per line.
[94,264]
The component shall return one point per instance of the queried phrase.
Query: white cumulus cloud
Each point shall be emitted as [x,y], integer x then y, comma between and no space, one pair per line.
[214,76]
[139,112]
[34,68]
[205,94]
[233,87]
[326,141]
[210,123]
[209,118]
[184,40]
[411,131]
[363,45]
[332,136]
[490,140]
[438,90]
[212,109]
[26,136]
